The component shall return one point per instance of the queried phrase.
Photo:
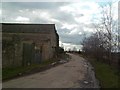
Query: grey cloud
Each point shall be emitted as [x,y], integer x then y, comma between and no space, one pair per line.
[66,37]
[11,11]
[74,39]
[64,17]
[32,5]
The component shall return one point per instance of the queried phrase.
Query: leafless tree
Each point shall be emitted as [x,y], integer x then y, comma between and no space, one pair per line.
[105,29]
[102,43]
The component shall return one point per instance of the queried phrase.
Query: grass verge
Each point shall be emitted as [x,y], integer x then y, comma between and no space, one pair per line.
[108,76]
[9,73]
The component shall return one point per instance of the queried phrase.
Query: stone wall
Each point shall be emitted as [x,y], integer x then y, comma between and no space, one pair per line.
[14,55]
[38,42]
[11,52]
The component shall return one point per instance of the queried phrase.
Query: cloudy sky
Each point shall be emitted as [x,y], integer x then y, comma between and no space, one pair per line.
[73,20]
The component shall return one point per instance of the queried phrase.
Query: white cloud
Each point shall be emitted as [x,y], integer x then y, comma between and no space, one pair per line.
[74,31]
[115,11]
[68,26]
[69,46]
[89,29]
[0,12]
[85,19]
[21,11]
[80,33]
[40,14]
[67,9]
[22,19]
[0,15]
[83,12]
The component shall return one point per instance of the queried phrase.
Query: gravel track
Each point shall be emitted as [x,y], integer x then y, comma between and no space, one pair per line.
[77,73]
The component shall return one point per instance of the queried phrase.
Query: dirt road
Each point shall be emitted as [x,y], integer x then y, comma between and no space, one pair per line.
[77,73]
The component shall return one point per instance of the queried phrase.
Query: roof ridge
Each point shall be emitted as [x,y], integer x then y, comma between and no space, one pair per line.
[27,23]
[15,27]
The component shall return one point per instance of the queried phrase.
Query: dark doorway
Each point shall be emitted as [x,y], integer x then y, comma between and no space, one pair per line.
[38,55]
[28,53]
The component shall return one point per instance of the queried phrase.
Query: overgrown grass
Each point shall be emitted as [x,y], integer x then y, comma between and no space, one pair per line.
[8,73]
[107,75]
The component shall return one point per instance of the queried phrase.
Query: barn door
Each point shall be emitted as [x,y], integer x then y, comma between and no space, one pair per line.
[28,53]
[38,55]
